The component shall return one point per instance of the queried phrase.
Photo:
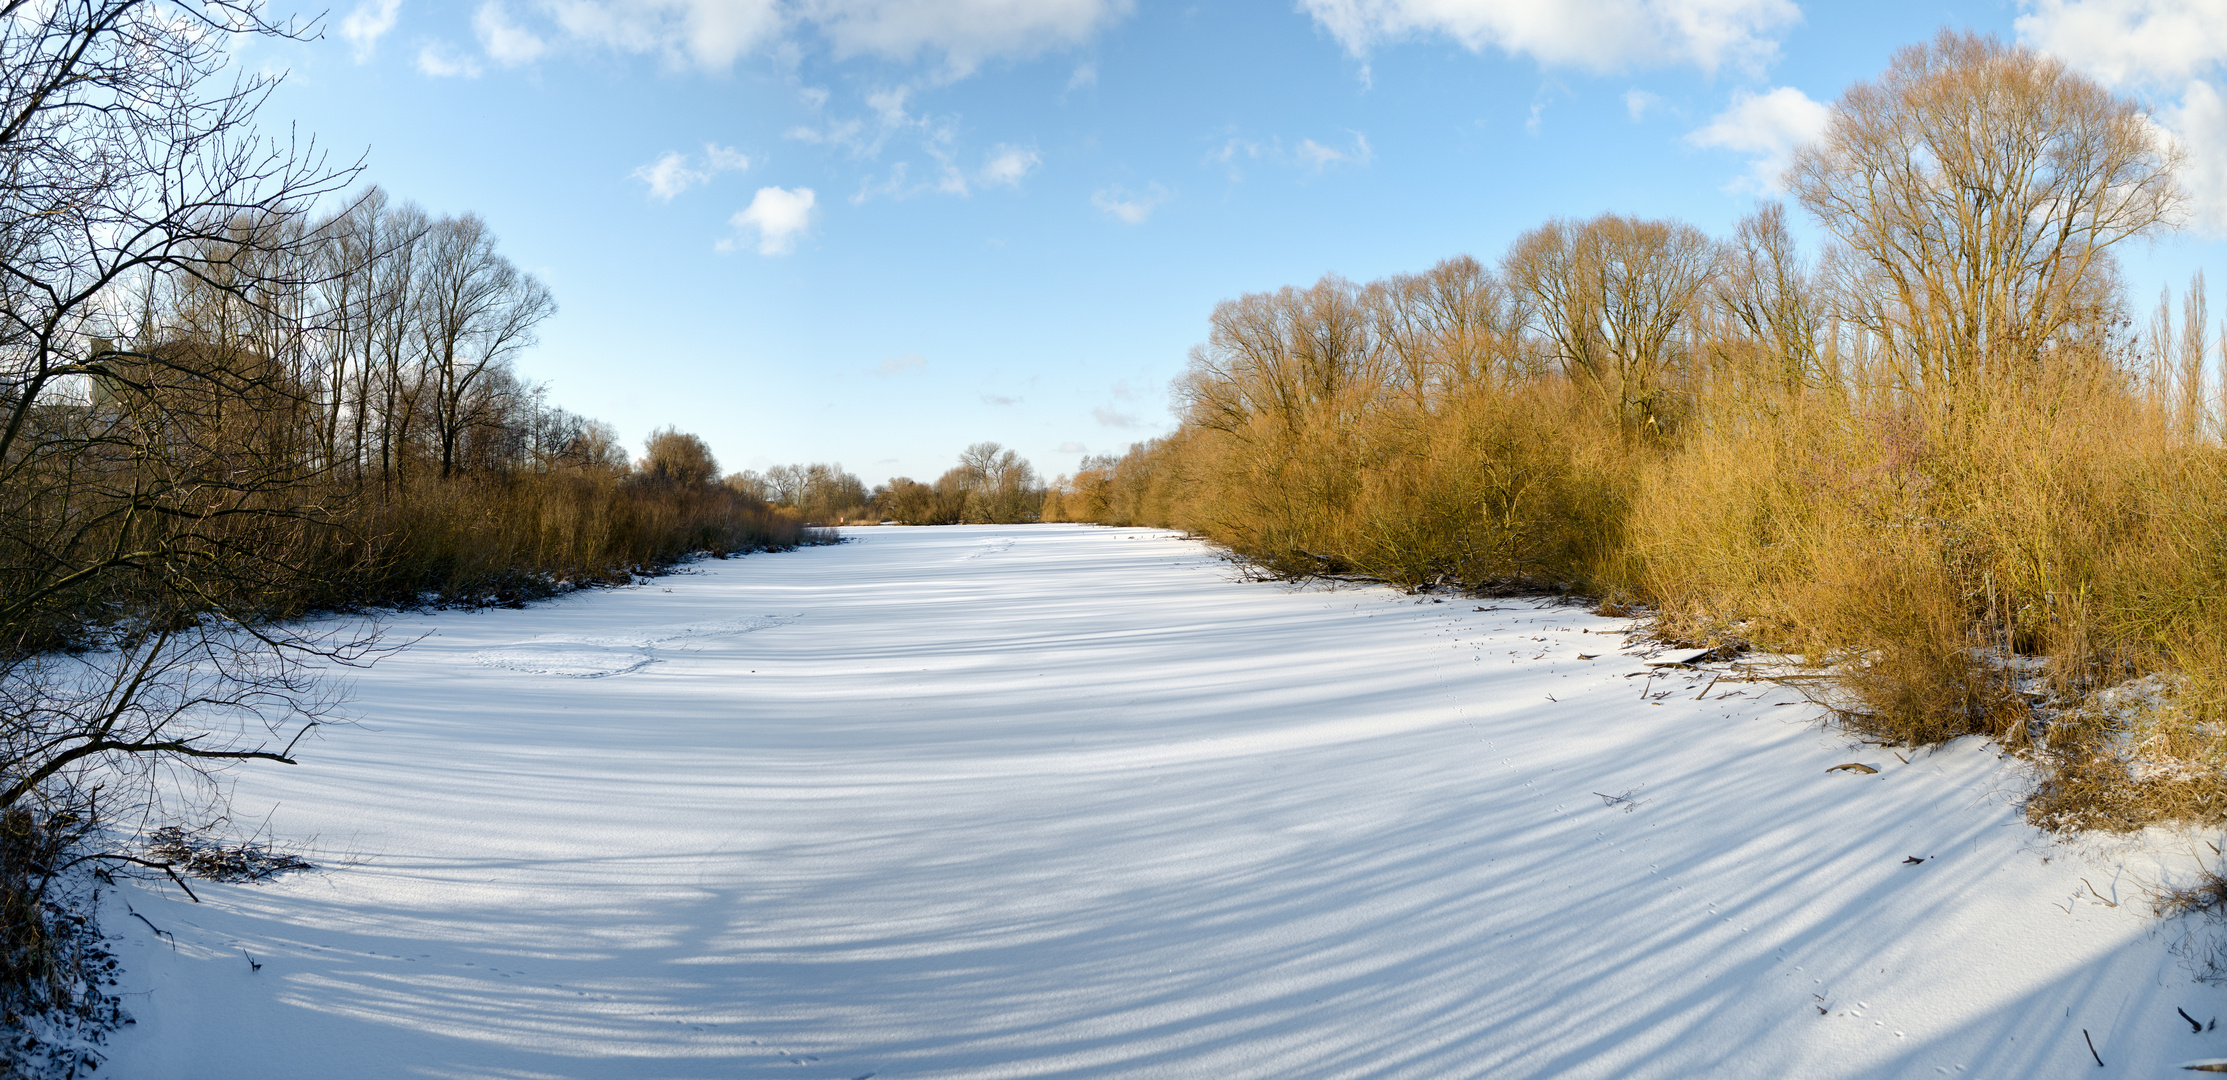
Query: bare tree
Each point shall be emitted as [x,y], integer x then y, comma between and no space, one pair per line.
[475,311]
[1609,295]
[1001,484]
[1290,358]
[2192,404]
[831,493]
[906,500]
[151,252]
[785,484]
[751,483]
[672,456]
[1449,330]
[1770,294]
[1982,186]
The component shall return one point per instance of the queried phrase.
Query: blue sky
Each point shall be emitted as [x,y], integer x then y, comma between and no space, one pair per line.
[875,231]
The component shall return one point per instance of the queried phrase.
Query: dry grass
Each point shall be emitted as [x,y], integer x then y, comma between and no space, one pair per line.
[506,540]
[1992,556]
[54,963]
[203,856]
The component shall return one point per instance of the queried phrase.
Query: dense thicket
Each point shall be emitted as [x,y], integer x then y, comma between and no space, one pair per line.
[1940,454]
[220,410]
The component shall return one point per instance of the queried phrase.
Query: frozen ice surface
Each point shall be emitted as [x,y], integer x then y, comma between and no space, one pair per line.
[1060,801]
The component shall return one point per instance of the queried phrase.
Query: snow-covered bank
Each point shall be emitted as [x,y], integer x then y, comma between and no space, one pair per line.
[1060,801]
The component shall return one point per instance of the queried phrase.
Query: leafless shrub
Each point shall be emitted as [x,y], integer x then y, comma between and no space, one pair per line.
[1936,451]
[197,853]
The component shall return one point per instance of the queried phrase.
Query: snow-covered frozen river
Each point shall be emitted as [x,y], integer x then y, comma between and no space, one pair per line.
[1061,801]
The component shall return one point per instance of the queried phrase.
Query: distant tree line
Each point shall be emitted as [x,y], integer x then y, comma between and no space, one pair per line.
[824,494]
[990,485]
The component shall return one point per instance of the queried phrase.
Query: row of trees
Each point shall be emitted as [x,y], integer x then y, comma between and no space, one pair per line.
[824,493]
[1939,440]
[221,408]
[990,484]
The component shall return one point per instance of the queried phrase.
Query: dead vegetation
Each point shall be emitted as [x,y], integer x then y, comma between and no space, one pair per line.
[203,856]
[1940,459]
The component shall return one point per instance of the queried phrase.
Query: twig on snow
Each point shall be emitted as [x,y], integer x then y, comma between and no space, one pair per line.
[159,931]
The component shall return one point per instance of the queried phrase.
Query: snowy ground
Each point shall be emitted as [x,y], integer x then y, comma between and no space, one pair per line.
[1060,801]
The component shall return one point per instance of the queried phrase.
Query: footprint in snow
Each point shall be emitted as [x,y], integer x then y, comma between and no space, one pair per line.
[572,660]
[585,656]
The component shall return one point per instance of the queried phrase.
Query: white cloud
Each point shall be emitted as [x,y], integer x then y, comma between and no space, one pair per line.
[2157,42]
[1308,155]
[1600,35]
[890,105]
[1008,164]
[898,365]
[1114,418]
[1639,103]
[1086,74]
[891,120]
[2199,122]
[506,42]
[706,34]
[713,34]
[1768,127]
[1072,448]
[848,132]
[935,136]
[367,24]
[1132,207]
[948,180]
[895,187]
[999,399]
[779,216]
[963,32]
[437,60]
[2161,46]
[725,158]
[669,176]
[676,172]
[1234,152]
[1318,157]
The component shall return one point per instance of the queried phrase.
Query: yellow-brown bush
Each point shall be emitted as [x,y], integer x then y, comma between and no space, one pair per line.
[1939,463]
[1921,543]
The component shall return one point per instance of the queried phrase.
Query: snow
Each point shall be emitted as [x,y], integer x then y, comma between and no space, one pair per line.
[1062,801]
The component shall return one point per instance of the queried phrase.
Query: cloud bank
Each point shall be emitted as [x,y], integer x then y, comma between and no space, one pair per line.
[712,35]
[1597,35]
[2174,49]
